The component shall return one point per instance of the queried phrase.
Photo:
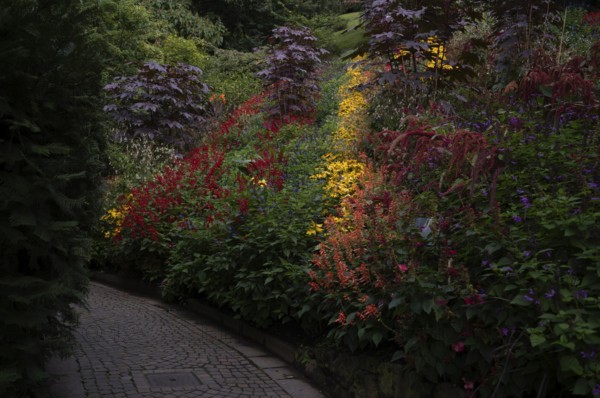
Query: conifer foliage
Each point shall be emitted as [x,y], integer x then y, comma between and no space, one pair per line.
[49,146]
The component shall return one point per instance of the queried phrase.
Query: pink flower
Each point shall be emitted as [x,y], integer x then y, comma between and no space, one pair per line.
[458,346]
[403,268]
[469,384]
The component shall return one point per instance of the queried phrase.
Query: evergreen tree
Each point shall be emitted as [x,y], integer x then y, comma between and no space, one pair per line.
[50,140]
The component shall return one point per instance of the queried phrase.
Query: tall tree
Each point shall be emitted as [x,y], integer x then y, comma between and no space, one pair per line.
[50,140]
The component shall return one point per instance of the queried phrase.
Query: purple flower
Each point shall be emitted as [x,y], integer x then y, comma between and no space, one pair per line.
[515,122]
[525,202]
[596,390]
[520,191]
[551,293]
[581,294]
[527,254]
[517,219]
[506,330]
[531,297]
[593,185]
[587,354]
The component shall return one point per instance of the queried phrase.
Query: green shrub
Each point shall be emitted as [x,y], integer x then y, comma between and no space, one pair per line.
[233,74]
[50,82]
[178,49]
[180,18]
[132,34]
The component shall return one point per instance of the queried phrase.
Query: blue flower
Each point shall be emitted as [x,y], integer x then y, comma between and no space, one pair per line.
[517,219]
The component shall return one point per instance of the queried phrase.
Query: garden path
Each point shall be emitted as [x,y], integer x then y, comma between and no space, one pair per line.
[137,347]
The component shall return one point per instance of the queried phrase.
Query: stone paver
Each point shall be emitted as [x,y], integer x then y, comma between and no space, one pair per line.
[137,347]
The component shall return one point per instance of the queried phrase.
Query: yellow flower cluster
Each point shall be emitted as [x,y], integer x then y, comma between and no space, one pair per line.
[114,217]
[352,112]
[341,174]
[342,168]
[436,48]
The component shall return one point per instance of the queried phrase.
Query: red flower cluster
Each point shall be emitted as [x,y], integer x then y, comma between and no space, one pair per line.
[156,203]
[268,167]
[251,107]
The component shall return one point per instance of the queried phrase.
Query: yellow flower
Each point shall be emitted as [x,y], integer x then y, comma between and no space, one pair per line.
[314,229]
[260,183]
[114,218]
[437,49]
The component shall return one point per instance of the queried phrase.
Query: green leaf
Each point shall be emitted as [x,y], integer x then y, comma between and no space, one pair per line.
[377,337]
[520,300]
[395,302]
[536,340]
[428,305]
[546,91]
[569,363]
[582,387]
[398,355]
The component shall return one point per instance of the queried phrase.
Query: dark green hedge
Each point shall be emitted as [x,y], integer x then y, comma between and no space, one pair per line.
[50,68]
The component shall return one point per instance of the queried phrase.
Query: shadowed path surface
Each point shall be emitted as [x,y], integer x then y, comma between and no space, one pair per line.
[137,347]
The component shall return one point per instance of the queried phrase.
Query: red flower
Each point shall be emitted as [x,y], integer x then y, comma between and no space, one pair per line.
[341,319]
[243,202]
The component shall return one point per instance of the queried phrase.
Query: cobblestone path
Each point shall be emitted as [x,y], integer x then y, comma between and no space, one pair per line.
[137,347]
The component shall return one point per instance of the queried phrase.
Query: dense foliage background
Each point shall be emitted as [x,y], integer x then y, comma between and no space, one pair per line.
[427,189]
